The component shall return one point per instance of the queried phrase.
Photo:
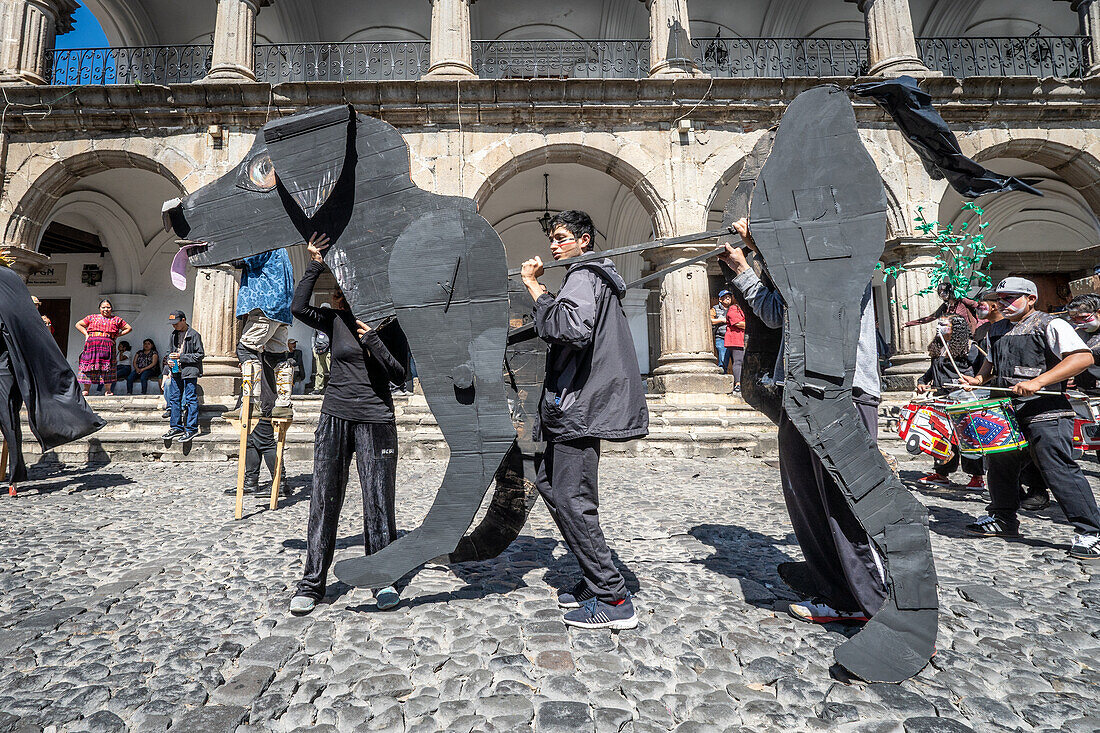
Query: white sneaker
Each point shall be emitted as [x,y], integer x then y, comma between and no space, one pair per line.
[302,605]
[1085,547]
[822,613]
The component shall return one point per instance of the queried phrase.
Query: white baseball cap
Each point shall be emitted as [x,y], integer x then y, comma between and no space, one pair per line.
[1017,286]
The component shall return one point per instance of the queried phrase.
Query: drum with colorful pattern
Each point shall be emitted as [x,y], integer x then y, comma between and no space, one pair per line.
[925,428]
[986,426]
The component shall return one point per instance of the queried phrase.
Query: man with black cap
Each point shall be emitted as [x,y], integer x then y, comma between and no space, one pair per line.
[1032,352]
[185,354]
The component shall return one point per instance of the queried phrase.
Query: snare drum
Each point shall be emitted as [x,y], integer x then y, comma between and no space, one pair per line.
[986,426]
[925,428]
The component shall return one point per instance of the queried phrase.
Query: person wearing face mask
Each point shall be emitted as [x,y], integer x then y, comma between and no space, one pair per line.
[1084,315]
[1031,351]
[986,310]
[961,352]
[952,306]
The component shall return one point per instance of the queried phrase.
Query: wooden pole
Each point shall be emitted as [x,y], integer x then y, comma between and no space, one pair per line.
[284,426]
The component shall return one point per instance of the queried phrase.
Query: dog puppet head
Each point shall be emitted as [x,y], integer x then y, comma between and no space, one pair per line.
[326,170]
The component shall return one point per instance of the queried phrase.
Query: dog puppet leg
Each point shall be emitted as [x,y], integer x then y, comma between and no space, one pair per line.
[448,279]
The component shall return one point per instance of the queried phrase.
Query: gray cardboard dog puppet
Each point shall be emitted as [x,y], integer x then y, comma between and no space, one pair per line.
[398,252]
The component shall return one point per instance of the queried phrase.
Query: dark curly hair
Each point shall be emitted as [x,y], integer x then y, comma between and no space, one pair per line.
[577,223]
[1087,302]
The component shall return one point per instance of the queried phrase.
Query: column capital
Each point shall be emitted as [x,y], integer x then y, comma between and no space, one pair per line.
[28,29]
[24,261]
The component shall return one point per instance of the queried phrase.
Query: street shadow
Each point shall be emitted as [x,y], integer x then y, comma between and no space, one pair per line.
[744,554]
[49,477]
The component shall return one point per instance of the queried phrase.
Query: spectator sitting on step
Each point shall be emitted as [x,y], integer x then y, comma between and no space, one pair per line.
[146,366]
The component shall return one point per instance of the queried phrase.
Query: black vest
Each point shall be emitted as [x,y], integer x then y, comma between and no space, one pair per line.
[1021,352]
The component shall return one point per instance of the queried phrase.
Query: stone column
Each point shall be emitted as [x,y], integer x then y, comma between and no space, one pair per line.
[1089,10]
[910,358]
[451,53]
[234,56]
[686,362]
[890,38]
[670,50]
[28,29]
[213,316]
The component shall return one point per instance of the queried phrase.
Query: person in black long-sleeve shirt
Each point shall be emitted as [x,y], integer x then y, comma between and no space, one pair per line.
[356,417]
[941,372]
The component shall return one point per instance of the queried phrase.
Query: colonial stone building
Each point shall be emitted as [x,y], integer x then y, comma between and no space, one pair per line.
[640,112]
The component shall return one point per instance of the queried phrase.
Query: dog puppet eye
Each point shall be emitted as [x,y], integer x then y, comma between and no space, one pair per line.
[261,172]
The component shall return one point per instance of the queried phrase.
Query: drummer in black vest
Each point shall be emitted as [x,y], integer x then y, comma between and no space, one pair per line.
[1031,351]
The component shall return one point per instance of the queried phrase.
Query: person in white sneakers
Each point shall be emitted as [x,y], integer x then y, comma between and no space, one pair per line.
[1032,352]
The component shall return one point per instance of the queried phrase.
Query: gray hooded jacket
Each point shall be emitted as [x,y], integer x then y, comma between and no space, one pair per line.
[593,386]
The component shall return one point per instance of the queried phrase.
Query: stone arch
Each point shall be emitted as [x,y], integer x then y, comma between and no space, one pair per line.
[125,23]
[32,212]
[383,33]
[1078,168]
[614,166]
[121,235]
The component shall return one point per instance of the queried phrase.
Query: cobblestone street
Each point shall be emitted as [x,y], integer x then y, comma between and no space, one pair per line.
[131,600]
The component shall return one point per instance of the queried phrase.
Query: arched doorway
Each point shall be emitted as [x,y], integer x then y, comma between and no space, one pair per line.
[97,216]
[1045,239]
[513,200]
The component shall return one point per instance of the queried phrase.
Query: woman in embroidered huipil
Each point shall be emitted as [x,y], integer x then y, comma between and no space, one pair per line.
[97,361]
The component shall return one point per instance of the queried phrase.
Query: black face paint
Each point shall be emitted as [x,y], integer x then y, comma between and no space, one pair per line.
[819,218]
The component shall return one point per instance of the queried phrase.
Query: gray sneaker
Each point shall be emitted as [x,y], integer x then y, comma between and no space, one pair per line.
[387,598]
[302,605]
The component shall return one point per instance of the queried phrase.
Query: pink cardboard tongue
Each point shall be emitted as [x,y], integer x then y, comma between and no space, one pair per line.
[179,267]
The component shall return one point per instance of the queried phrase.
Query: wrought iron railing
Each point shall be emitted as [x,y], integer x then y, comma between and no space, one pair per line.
[1061,56]
[781,57]
[557,59]
[365,61]
[133,65]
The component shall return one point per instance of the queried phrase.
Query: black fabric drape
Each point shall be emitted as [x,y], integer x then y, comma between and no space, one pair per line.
[938,148]
[56,409]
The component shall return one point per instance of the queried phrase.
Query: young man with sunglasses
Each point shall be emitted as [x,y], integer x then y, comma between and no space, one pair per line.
[593,391]
[1032,352]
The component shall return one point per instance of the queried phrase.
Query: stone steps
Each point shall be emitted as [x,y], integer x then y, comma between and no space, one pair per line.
[680,425]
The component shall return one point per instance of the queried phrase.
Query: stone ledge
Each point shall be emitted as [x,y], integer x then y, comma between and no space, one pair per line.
[751,102]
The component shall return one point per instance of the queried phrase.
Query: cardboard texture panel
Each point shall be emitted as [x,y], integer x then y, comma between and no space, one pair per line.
[818,171]
[938,148]
[762,343]
[397,252]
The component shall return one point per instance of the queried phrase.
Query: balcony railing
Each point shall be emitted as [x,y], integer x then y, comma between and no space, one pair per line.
[1061,56]
[366,61]
[781,57]
[136,65]
[602,59]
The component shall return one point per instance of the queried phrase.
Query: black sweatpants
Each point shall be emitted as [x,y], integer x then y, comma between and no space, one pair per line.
[567,478]
[836,548]
[261,444]
[11,402]
[1052,451]
[375,448]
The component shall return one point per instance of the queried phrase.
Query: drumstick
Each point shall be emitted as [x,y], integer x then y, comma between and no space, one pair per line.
[947,351]
[1005,389]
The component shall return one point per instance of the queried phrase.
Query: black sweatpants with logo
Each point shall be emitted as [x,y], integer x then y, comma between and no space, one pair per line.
[375,448]
[567,477]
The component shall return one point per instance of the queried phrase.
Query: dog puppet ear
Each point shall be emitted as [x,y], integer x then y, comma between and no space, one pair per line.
[308,152]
